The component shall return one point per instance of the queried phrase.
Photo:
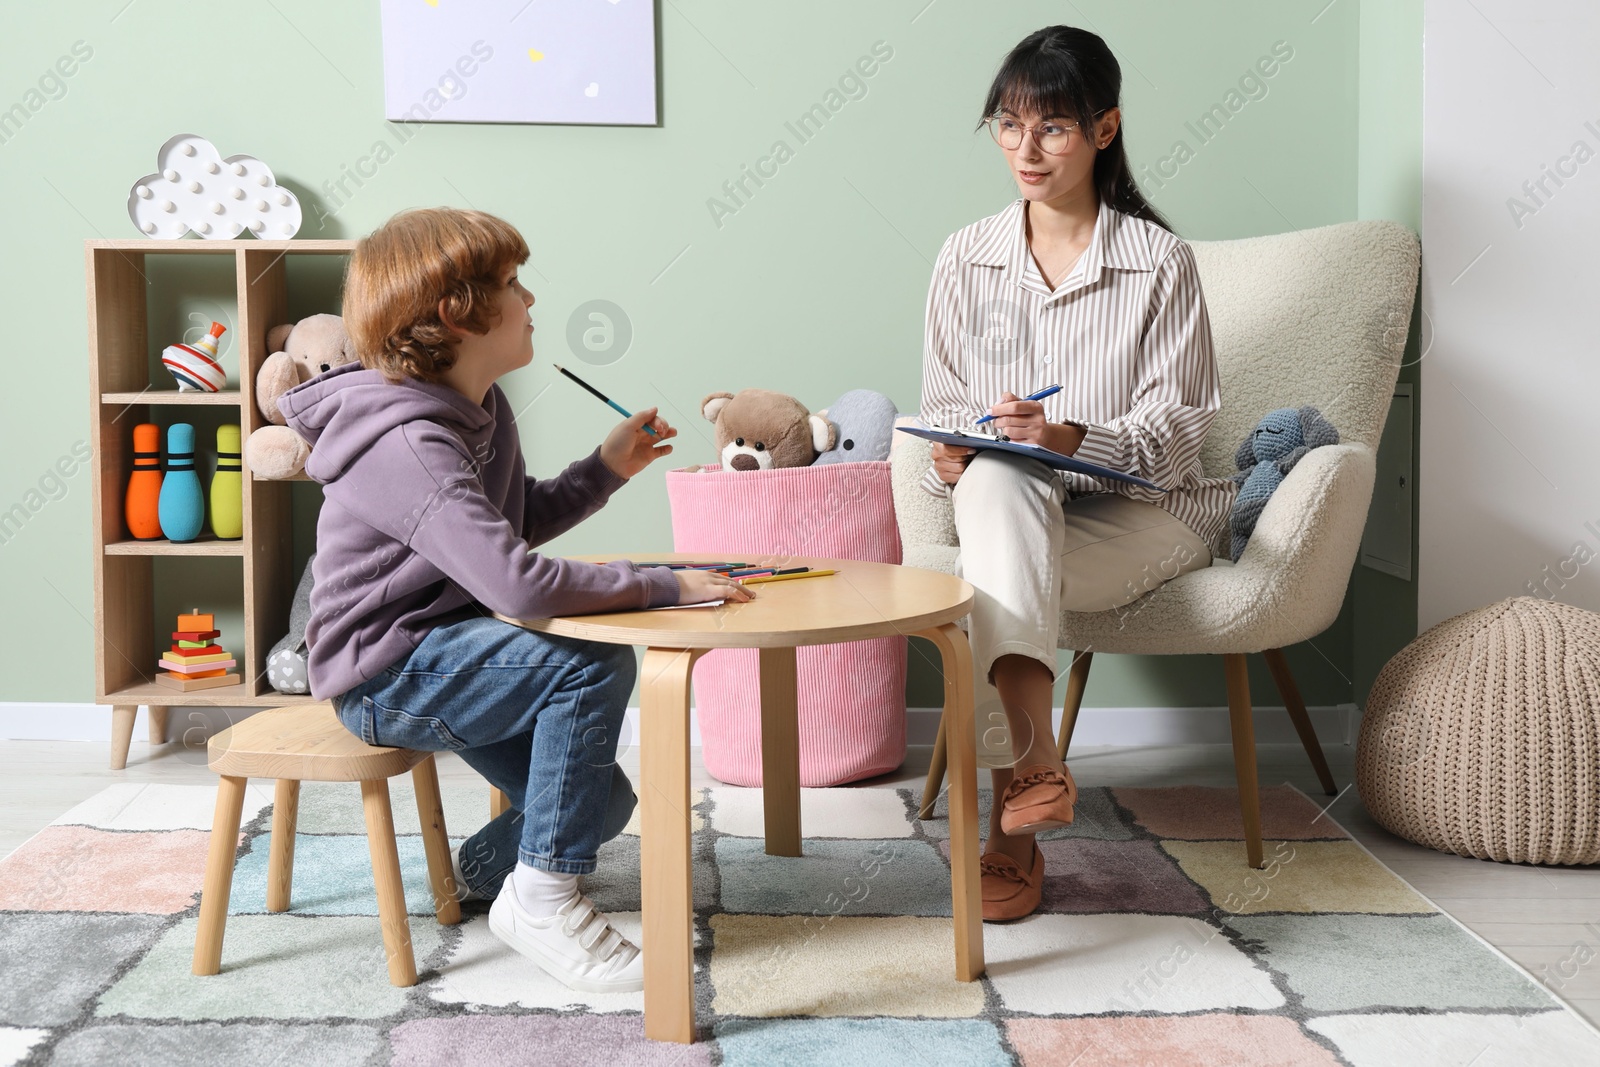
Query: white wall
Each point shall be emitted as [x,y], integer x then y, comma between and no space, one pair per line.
[1510,423]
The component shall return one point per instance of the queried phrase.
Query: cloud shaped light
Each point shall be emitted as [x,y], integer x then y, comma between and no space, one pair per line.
[196,189]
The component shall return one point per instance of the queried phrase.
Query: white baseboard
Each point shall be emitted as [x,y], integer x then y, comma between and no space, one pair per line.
[1335,725]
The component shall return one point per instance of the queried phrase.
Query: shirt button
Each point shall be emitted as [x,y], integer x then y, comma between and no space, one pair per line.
[1049,359]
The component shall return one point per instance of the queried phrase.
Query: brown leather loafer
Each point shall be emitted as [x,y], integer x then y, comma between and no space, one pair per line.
[1009,892]
[1038,798]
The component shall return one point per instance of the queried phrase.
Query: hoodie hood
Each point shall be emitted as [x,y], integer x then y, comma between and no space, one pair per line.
[346,411]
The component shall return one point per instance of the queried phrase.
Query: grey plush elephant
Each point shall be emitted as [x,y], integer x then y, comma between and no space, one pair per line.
[866,423]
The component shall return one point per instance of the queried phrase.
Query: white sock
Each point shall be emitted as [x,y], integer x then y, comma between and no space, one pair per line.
[541,892]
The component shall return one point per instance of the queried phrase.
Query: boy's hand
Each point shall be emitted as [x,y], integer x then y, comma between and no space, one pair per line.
[628,449]
[696,587]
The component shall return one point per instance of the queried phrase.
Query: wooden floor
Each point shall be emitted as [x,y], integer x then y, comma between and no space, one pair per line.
[1546,919]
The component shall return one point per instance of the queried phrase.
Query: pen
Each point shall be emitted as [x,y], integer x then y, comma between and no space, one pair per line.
[625,412]
[1040,395]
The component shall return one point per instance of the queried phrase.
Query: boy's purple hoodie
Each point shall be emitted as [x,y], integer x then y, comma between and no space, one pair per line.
[428,517]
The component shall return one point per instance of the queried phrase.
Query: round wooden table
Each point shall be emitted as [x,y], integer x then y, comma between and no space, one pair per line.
[863,600]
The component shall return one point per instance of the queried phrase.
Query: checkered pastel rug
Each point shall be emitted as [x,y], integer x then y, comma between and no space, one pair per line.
[1155,945]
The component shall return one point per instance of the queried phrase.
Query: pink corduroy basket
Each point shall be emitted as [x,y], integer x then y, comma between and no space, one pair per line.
[852,699]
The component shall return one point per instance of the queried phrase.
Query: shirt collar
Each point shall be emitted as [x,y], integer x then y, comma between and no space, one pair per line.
[1003,243]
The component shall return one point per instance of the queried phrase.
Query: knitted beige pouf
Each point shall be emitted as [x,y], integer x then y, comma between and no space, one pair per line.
[1482,736]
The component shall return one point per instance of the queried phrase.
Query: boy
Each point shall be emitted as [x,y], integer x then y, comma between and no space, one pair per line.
[426,527]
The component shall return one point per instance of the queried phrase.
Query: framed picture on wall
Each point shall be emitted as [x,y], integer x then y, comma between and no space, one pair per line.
[589,62]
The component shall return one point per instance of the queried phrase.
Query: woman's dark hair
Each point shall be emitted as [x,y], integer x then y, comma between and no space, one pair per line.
[1070,73]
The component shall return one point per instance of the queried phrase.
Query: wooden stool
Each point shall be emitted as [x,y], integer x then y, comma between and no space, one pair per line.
[309,744]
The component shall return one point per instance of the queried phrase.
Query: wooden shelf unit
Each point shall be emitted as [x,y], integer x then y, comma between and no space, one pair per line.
[122,394]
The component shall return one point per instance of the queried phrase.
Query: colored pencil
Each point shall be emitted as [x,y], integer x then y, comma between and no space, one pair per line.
[785,577]
[616,406]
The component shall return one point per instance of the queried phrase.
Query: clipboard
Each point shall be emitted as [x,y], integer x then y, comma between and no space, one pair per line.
[982,442]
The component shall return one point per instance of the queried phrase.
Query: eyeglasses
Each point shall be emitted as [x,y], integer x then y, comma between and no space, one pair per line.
[1053,138]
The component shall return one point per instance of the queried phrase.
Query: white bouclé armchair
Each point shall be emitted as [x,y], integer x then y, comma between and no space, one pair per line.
[1311,317]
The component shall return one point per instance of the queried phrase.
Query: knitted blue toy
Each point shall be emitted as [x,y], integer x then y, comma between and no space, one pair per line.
[1263,458]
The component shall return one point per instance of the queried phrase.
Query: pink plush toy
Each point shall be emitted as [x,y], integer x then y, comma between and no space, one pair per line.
[300,352]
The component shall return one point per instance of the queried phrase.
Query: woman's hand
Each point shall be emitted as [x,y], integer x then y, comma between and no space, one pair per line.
[1023,421]
[950,460]
[696,587]
[628,449]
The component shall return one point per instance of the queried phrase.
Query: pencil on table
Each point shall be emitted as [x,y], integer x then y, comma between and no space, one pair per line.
[784,577]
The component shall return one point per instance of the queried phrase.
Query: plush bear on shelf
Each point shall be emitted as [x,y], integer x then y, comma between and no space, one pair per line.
[758,430]
[1277,443]
[300,352]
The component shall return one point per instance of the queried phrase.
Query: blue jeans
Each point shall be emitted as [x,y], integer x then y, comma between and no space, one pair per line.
[536,714]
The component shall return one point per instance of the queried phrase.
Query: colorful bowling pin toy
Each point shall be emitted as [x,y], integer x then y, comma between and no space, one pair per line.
[183,506]
[227,500]
[141,508]
[196,366]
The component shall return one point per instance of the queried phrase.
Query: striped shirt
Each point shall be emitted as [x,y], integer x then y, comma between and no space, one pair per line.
[1125,335]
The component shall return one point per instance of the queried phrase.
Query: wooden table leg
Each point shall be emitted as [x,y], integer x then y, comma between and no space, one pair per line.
[122,716]
[936,769]
[966,899]
[280,856]
[780,750]
[665,875]
[219,877]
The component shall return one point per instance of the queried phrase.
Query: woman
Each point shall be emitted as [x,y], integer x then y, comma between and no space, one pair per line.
[1080,283]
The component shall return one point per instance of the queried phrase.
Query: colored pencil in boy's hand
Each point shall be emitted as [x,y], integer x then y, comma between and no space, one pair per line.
[606,399]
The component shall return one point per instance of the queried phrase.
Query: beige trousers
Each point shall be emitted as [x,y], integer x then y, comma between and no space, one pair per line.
[1030,554]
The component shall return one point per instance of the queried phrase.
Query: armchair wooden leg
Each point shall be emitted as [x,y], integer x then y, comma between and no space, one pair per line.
[1296,706]
[1077,680]
[280,857]
[498,802]
[936,768]
[1235,667]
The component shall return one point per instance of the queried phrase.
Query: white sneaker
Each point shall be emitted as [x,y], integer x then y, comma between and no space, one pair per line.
[577,945]
[464,892]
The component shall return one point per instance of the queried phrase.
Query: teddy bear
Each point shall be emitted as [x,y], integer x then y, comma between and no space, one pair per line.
[300,352]
[1271,451]
[863,421]
[758,429]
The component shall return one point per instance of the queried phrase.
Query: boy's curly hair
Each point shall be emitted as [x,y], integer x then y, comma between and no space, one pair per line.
[401,272]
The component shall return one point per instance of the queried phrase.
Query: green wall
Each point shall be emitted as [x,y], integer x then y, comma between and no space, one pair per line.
[814,285]
[1389,186]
